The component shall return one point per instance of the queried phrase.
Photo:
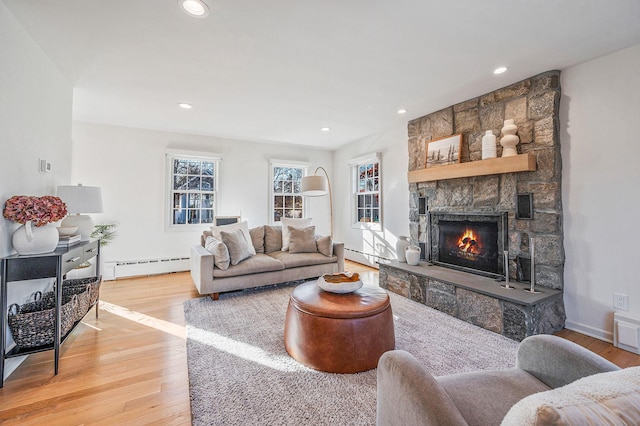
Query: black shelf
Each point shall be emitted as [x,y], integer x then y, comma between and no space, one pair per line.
[56,264]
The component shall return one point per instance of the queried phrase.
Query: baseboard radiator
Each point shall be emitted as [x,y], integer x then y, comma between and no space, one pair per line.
[626,332]
[132,268]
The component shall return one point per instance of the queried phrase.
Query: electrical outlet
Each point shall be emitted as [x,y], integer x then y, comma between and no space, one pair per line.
[621,301]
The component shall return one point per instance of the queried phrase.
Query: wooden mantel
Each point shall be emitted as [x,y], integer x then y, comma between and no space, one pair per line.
[492,166]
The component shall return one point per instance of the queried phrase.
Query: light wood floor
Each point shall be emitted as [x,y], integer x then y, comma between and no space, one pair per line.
[130,366]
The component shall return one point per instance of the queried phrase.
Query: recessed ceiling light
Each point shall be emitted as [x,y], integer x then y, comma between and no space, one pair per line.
[500,70]
[185,105]
[195,8]
[325,129]
[402,111]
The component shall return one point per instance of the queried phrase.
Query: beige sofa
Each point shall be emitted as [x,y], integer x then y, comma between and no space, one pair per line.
[270,265]
[555,381]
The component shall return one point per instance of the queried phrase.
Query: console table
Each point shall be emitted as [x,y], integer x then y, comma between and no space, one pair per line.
[56,264]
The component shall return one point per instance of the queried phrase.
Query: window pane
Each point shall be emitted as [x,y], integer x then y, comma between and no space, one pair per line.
[288,213]
[180,167]
[277,214]
[362,172]
[206,216]
[179,182]
[297,202]
[194,216]
[296,186]
[277,186]
[375,202]
[360,215]
[369,170]
[288,202]
[207,201]
[194,183]
[376,184]
[207,183]
[278,202]
[369,185]
[179,200]
[179,216]
[297,214]
[207,168]
[296,174]
[194,167]
[288,188]
[361,185]
[376,215]
[194,201]
[361,201]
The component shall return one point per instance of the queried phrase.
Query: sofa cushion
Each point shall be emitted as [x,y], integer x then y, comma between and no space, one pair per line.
[243,226]
[272,238]
[219,251]
[294,260]
[257,238]
[605,398]
[325,245]
[253,265]
[302,240]
[238,246]
[295,223]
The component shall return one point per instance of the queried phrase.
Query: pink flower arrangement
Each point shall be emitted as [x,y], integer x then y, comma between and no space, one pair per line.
[39,210]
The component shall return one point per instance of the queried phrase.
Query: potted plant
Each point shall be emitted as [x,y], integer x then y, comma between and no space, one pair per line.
[36,214]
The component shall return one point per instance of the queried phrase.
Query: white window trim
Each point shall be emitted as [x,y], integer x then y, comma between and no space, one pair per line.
[304,165]
[170,154]
[354,163]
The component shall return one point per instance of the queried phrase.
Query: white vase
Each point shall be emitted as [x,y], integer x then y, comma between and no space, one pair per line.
[401,244]
[29,239]
[489,149]
[412,253]
[509,139]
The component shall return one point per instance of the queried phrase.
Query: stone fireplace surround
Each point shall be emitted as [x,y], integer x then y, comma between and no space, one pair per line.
[533,103]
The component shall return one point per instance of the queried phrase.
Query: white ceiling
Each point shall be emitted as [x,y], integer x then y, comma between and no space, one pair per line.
[279,70]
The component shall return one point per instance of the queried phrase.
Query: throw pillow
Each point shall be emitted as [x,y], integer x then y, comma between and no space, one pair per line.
[604,398]
[257,238]
[237,245]
[272,238]
[219,251]
[302,240]
[243,226]
[325,245]
[292,222]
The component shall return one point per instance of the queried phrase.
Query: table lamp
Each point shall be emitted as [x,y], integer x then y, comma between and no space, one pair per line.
[81,199]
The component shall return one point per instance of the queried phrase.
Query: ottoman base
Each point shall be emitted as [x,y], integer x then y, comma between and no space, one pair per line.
[339,333]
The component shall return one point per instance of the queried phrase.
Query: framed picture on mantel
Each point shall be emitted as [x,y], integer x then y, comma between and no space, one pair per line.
[444,151]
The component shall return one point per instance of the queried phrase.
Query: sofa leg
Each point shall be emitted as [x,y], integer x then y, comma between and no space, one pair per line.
[214,296]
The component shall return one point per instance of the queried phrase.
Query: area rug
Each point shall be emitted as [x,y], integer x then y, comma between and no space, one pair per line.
[241,374]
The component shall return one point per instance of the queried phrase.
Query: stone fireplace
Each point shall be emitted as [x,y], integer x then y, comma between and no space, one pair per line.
[469,242]
[481,196]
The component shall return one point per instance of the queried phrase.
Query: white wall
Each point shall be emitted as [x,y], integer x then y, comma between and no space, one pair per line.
[129,165]
[392,145]
[35,122]
[600,108]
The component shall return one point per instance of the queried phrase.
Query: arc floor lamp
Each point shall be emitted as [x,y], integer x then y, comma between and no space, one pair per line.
[317,186]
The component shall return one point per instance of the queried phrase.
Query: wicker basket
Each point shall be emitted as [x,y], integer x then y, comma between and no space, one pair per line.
[32,324]
[80,284]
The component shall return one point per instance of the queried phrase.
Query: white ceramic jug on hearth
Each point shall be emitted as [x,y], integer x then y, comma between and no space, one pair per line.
[412,254]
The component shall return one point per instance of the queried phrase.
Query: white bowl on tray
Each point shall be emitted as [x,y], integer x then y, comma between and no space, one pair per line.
[343,287]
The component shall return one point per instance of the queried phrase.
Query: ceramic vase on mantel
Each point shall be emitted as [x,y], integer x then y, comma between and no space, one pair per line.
[30,239]
[509,139]
[489,149]
[401,245]
[412,254]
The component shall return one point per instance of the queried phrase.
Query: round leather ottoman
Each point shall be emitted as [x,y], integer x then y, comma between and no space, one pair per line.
[338,333]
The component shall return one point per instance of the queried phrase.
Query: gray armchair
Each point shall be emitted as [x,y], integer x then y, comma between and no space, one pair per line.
[408,395]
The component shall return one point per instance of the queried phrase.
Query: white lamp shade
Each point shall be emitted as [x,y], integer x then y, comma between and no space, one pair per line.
[81,199]
[314,186]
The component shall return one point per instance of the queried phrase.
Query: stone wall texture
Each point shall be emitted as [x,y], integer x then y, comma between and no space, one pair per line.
[533,105]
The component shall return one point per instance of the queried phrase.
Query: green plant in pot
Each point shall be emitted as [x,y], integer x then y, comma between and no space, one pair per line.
[106,233]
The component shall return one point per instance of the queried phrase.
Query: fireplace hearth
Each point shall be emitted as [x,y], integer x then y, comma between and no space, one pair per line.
[469,241]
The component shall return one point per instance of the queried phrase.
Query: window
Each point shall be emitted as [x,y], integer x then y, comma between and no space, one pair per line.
[286,200]
[193,189]
[366,191]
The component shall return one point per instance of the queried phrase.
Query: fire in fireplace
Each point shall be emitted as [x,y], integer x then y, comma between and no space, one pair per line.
[469,241]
